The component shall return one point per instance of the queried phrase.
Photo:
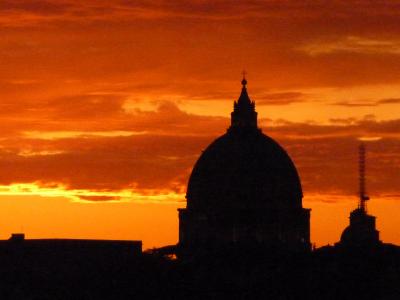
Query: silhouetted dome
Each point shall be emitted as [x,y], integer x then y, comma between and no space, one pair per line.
[244,169]
[361,230]
[244,192]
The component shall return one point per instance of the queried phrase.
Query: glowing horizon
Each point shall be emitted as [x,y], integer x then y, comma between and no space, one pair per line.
[112,102]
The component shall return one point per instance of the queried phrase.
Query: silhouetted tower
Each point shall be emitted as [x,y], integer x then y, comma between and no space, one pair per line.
[363,196]
[361,232]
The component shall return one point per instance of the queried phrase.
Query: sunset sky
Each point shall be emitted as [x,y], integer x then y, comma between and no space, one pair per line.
[106,105]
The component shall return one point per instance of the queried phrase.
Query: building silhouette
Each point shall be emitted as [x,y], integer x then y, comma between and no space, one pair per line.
[244,191]
[74,247]
[362,231]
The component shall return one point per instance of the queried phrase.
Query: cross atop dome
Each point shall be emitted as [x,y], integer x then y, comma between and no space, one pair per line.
[244,81]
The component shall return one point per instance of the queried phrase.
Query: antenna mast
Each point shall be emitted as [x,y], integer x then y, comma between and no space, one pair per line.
[363,197]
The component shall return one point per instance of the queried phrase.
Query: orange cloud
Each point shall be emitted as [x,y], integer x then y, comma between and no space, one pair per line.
[160,158]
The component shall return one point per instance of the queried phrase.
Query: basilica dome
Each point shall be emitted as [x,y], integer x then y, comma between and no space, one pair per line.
[244,192]
[244,168]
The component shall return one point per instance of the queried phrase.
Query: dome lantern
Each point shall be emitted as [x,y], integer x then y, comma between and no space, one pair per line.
[244,114]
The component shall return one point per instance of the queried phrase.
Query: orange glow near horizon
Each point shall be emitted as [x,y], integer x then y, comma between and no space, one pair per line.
[156,224]
[106,106]
[88,196]
[58,217]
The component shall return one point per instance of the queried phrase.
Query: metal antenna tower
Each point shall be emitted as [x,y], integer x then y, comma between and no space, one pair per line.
[363,197]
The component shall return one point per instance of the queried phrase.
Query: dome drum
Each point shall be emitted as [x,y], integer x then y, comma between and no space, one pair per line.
[288,229]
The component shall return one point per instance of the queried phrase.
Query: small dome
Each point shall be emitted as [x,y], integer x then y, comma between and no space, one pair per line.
[244,169]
